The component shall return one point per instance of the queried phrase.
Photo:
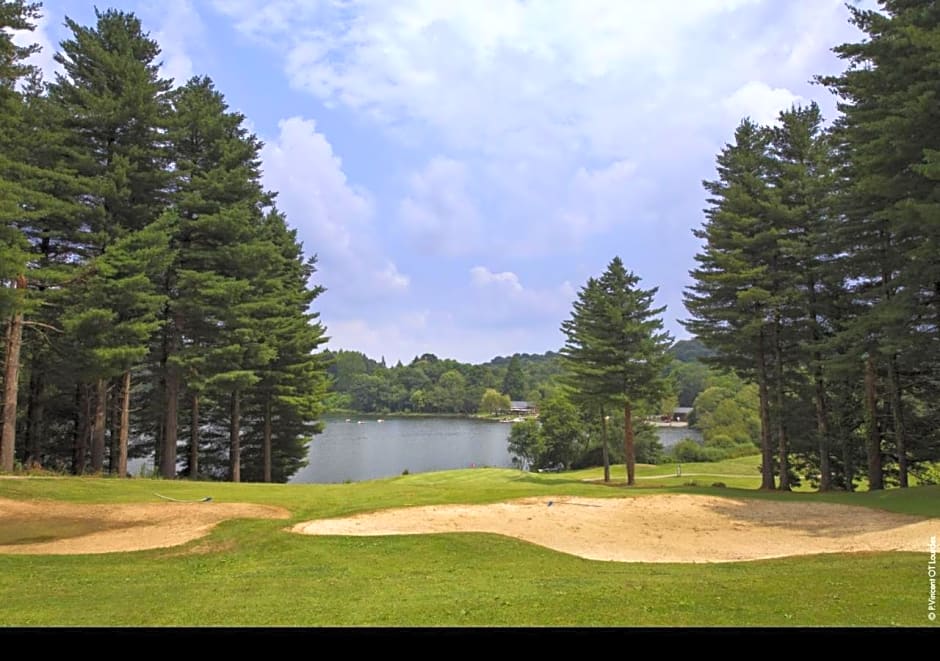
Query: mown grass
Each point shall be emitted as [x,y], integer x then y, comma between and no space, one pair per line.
[254,573]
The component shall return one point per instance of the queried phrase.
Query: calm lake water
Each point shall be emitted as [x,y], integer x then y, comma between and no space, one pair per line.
[363,451]
[372,449]
[356,452]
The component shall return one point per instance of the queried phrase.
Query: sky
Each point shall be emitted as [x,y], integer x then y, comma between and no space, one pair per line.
[460,168]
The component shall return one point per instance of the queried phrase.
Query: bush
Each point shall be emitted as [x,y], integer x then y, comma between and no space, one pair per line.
[689,451]
[927,473]
[721,441]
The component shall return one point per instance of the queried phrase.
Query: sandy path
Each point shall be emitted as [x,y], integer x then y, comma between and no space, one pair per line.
[130,527]
[660,528]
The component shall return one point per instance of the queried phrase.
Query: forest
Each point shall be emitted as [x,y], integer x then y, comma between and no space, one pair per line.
[819,276]
[154,299]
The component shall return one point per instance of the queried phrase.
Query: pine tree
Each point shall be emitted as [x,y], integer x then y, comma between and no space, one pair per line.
[117,311]
[13,245]
[584,360]
[889,234]
[288,400]
[58,237]
[33,207]
[731,301]
[115,107]
[802,178]
[622,346]
[218,199]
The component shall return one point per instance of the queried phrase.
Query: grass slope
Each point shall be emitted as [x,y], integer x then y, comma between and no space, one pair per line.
[254,573]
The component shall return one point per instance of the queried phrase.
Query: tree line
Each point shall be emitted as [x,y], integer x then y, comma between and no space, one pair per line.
[819,276]
[154,299]
[429,384]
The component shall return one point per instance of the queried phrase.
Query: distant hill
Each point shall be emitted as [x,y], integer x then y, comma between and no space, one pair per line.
[688,351]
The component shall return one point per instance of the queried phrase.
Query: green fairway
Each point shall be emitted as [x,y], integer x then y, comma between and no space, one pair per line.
[252,572]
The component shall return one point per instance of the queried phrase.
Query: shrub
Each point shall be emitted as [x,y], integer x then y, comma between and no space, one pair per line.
[721,441]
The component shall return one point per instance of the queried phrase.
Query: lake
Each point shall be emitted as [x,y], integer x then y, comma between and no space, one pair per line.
[365,449]
[372,449]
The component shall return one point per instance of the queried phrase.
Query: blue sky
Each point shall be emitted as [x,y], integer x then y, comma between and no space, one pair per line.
[461,167]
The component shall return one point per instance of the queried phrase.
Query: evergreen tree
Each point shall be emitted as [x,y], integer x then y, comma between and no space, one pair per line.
[115,108]
[802,179]
[15,15]
[116,310]
[623,345]
[218,199]
[731,301]
[584,360]
[33,208]
[889,236]
[289,397]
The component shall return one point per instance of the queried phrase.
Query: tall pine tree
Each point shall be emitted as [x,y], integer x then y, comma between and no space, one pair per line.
[623,346]
[731,301]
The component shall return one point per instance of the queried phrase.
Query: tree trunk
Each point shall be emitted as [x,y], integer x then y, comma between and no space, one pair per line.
[847,466]
[783,445]
[35,415]
[822,430]
[606,452]
[125,424]
[267,440]
[11,374]
[897,413]
[873,447]
[194,439]
[82,426]
[628,443]
[848,461]
[115,433]
[767,452]
[235,458]
[98,426]
[822,413]
[171,423]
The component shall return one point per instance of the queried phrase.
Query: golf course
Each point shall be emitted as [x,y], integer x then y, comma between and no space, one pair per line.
[471,547]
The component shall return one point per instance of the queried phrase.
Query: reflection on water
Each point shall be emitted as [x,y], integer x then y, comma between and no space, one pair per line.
[364,448]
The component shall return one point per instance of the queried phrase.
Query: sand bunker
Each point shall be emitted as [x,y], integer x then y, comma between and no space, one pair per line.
[131,527]
[660,528]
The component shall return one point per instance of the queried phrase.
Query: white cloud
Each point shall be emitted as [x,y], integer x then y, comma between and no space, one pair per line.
[439,213]
[43,59]
[535,77]
[500,298]
[481,276]
[599,199]
[415,333]
[760,102]
[391,278]
[334,218]
[567,130]
[554,118]
[181,30]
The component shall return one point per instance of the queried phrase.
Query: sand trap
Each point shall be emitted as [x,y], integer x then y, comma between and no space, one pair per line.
[661,528]
[130,527]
